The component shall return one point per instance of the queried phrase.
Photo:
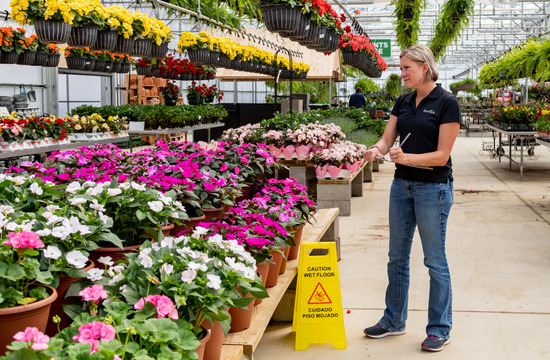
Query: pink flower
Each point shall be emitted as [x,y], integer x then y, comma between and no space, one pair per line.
[165,306]
[32,334]
[93,293]
[209,186]
[24,239]
[94,332]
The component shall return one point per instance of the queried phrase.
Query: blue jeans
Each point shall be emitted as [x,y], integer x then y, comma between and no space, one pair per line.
[426,205]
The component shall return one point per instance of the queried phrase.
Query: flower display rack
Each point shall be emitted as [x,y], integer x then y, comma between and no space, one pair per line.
[324,228]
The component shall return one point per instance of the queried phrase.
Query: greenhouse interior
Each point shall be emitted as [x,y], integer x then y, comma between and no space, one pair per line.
[266,179]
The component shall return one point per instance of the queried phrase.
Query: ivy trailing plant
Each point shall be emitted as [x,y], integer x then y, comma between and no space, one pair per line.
[407,15]
[453,18]
[367,85]
[529,60]
[394,85]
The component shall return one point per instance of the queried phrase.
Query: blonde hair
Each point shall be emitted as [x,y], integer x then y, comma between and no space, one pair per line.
[423,54]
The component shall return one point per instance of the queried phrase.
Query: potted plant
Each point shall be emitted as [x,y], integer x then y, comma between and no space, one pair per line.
[51,19]
[196,47]
[161,36]
[28,57]
[25,301]
[53,55]
[170,92]
[141,25]
[107,24]
[211,93]
[76,57]
[121,20]
[88,16]
[12,44]
[195,93]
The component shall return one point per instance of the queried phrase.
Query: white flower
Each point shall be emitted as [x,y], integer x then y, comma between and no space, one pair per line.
[54,219]
[73,187]
[78,201]
[61,232]
[165,199]
[167,242]
[179,205]
[156,206]
[249,273]
[124,186]
[47,214]
[199,230]
[196,266]
[52,208]
[113,270]
[174,215]
[36,189]
[137,186]
[106,260]
[104,218]
[214,281]
[167,268]
[43,232]
[19,180]
[188,275]
[114,192]
[155,246]
[95,274]
[6,209]
[52,252]
[116,279]
[144,252]
[97,206]
[76,259]
[147,262]
[216,239]
[96,190]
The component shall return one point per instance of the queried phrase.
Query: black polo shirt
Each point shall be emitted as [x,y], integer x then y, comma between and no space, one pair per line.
[439,107]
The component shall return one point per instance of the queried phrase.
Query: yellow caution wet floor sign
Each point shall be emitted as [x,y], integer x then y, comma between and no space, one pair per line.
[318,316]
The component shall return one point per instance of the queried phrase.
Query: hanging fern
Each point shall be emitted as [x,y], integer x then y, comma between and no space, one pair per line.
[407,14]
[453,18]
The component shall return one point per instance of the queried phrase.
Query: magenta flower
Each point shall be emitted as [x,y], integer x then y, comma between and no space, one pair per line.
[93,293]
[32,334]
[209,186]
[24,239]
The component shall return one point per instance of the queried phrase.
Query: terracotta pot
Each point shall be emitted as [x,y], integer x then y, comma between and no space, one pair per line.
[226,208]
[65,283]
[283,261]
[212,213]
[202,346]
[241,318]
[213,347]
[115,253]
[295,249]
[273,276]
[17,318]
[187,225]
[263,270]
[246,193]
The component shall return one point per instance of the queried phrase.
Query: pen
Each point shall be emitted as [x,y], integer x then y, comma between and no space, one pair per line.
[405,139]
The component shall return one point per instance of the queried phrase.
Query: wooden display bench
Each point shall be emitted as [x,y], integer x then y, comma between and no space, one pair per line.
[324,228]
[338,192]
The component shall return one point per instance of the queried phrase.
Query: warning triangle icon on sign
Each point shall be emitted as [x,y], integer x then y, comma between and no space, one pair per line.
[319,296]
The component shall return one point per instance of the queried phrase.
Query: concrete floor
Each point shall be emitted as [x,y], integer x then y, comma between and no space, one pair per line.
[498,247]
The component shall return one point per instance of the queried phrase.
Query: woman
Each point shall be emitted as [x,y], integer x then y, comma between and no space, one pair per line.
[421,195]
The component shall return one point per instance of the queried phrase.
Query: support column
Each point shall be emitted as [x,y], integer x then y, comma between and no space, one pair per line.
[367,172]
[299,173]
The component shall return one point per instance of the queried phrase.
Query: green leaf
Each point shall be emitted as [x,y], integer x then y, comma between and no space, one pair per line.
[140,215]
[11,272]
[111,238]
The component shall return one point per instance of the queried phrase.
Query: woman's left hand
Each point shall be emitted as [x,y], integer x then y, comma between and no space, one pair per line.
[398,156]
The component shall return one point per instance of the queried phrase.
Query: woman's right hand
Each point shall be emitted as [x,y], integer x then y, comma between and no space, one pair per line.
[372,154]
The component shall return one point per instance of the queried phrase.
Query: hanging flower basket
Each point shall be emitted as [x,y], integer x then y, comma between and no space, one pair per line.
[76,63]
[214,59]
[123,45]
[99,65]
[312,35]
[280,18]
[320,40]
[108,66]
[85,36]
[303,29]
[89,65]
[41,59]
[159,51]
[53,60]
[27,58]
[51,31]
[200,56]
[106,40]
[116,67]
[125,68]
[352,59]
[9,57]
[142,47]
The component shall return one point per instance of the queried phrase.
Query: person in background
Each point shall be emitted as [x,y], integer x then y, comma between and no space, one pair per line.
[427,121]
[358,99]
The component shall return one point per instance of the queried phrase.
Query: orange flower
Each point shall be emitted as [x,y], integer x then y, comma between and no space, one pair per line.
[357,12]
[21,30]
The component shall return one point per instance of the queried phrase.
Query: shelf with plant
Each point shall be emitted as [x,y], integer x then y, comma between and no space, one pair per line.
[453,18]
[359,52]
[462,85]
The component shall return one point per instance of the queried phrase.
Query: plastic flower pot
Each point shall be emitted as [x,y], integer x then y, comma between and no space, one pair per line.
[85,36]
[289,151]
[321,171]
[51,31]
[281,18]
[76,63]
[200,56]
[27,58]
[123,45]
[276,151]
[159,51]
[302,151]
[9,57]
[106,40]
[333,171]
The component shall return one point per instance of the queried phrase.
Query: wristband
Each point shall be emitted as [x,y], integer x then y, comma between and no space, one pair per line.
[373,146]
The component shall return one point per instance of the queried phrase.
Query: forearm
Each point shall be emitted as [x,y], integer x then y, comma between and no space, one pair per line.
[435,158]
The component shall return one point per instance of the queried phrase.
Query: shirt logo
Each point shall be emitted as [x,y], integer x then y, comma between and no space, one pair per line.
[429,111]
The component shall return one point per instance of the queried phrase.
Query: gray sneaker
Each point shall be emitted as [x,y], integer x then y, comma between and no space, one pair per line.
[434,343]
[377,332]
